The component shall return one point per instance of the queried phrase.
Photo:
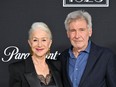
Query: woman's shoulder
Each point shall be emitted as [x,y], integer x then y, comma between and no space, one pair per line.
[17,66]
[20,63]
[55,64]
[17,63]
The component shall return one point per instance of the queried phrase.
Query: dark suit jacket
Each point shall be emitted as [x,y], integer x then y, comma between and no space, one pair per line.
[22,74]
[100,70]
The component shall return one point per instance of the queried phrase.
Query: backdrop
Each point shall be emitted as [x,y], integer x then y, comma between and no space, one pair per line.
[16,17]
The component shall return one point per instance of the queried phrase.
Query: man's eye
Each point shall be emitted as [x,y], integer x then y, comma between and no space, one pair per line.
[82,29]
[72,30]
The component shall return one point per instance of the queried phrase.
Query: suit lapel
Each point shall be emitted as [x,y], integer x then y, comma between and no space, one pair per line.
[65,69]
[55,74]
[57,78]
[30,73]
[90,63]
[32,79]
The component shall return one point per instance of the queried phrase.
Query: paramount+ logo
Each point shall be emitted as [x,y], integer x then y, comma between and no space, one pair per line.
[85,3]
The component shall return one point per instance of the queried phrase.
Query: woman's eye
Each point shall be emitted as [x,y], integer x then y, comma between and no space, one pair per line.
[34,40]
[43,40]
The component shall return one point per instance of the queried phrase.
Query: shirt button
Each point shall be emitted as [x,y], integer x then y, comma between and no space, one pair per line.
[76,68]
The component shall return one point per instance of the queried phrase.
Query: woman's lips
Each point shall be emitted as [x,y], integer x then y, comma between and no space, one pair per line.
[39,49]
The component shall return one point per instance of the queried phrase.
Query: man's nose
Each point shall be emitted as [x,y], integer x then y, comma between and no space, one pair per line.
[77,34]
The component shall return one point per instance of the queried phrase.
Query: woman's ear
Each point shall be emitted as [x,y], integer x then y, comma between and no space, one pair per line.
[29,43]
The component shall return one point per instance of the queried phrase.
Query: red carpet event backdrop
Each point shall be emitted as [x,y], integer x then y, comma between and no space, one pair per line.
[16,17]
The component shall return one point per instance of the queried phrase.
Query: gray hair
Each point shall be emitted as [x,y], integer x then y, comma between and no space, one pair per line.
[42,26]
[75,15]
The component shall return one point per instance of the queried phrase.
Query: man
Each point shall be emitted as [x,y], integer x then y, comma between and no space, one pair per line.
[85,64]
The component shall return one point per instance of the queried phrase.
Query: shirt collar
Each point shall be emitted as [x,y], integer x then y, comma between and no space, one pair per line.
[88,47]
[87,50]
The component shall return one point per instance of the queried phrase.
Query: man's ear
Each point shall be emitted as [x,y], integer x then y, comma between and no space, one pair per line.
[90,32]
[67,34]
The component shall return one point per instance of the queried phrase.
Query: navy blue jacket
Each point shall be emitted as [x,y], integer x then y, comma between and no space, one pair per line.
[100,70]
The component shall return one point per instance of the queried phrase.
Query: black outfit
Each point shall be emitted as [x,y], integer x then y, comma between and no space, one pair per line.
[23,74]
[100,70]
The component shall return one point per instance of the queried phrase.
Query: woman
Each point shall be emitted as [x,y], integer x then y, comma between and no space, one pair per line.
[37,71]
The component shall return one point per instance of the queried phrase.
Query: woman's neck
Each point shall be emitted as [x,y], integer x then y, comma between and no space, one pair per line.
[39,60]
[40,65]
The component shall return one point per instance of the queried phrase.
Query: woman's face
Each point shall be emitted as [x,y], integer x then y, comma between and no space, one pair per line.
[39,42]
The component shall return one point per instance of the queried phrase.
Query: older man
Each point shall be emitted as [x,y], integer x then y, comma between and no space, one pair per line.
[85,64]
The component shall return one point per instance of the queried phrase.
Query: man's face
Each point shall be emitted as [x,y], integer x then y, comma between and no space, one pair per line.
[79,34]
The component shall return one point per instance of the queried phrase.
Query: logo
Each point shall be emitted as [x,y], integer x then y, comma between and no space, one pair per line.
[85,3]
[13,52]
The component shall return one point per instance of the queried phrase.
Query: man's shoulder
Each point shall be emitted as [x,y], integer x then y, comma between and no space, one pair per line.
[101,49]
[64,55]
[65,52]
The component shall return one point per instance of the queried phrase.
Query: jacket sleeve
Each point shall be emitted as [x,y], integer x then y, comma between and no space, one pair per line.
[111,71]
[14,77]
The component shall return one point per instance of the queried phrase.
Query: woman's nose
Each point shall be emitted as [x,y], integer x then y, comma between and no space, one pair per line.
[39,43]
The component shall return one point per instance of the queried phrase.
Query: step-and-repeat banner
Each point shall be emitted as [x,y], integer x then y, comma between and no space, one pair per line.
[16,17]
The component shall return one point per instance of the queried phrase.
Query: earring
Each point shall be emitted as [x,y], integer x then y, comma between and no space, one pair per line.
[48,53]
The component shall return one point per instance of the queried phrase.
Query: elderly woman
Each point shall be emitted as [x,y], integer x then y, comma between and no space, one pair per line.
[36,71]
